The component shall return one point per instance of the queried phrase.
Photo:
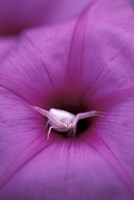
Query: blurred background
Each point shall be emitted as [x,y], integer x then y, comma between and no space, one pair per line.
[16,15]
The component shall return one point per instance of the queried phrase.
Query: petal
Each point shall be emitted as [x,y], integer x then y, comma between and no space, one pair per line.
[74,51]
[67,170]
[38,59]
[64,9]
[113,139]
[104,39]
[20,128]
[77,165]
[15,15]
[5,45]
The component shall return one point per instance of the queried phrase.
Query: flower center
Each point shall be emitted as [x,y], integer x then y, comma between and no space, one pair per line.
[82,125]
[75,104]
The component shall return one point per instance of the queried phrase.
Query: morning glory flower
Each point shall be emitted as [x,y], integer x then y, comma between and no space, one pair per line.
[82,64]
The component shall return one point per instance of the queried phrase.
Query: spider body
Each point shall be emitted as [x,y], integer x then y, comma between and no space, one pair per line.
[63,121]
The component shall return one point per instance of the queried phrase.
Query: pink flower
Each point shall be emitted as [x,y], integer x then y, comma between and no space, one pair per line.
[83,64]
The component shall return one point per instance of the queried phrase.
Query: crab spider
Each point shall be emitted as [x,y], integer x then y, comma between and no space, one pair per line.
[63,121]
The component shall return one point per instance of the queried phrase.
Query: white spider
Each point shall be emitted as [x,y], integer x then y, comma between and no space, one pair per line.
[63,121]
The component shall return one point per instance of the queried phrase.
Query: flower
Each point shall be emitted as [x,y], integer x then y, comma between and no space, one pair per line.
[83,64]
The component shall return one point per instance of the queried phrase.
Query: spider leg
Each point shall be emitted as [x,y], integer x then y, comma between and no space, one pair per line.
[85,115]
[70,132]
[49,131]
[74,131]
[41,111]
[46,124]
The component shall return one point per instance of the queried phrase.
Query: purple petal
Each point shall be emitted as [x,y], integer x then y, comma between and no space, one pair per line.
[81,169]
[16,16]
[33,78]
[74,50]
[103,38]
[64,9]
[19,129]
[5,45]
